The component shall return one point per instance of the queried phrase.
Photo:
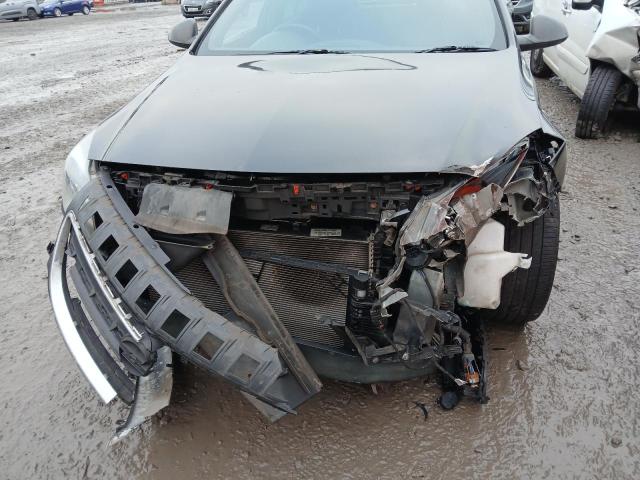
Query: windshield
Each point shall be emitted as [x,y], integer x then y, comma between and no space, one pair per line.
[268,26]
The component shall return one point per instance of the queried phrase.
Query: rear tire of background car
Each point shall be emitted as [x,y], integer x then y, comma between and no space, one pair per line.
[15,19]
[537,65]
[598,101]
[525,293]
[85,10]
[57,12]
[32,14]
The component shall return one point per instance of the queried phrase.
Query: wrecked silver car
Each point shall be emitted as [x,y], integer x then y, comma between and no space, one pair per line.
[599,62]
[354,188]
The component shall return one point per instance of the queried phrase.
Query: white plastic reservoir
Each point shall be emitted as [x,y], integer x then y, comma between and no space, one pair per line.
[487,263]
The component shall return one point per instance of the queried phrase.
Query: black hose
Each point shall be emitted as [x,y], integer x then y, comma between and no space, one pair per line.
[458,330]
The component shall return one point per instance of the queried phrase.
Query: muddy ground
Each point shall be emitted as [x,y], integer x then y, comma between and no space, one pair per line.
[564,400]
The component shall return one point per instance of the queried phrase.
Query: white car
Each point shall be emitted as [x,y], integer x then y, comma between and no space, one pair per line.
[599,62]
[17,9]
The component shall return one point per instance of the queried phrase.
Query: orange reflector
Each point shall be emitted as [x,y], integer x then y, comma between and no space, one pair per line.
[468,188]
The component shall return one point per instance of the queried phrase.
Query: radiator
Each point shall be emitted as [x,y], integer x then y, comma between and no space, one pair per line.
[300,297]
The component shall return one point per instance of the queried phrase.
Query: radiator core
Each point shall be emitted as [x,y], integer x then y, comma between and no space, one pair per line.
[306,301]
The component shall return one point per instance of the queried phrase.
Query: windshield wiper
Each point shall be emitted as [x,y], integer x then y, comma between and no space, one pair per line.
[456,48]
[310,51]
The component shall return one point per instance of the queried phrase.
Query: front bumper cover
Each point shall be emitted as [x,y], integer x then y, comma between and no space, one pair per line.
[129,308]
[72,321]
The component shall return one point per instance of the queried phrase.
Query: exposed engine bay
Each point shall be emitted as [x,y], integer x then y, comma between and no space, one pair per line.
[392,269]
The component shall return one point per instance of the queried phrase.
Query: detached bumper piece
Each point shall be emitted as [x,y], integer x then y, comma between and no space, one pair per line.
[130,311]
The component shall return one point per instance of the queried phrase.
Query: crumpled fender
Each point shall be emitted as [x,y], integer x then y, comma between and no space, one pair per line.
[616,38]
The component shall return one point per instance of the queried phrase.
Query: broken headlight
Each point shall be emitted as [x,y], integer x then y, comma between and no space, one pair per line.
[77,169]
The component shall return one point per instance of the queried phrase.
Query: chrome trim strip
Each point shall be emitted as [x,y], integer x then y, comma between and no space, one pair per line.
[114,302]
[64,319]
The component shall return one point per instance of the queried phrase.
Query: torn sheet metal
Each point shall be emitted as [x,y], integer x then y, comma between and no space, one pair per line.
[184,210]
[428,218]
[474,209]
[473,170]
[528,197]
[153,393]
[616,39]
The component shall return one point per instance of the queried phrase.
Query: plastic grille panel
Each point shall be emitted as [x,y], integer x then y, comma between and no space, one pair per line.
[172,313]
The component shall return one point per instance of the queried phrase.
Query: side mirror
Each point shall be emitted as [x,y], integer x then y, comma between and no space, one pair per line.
[184,33]
[586,4]
[544,32]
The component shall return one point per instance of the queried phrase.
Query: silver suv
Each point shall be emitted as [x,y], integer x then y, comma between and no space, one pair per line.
[17,9]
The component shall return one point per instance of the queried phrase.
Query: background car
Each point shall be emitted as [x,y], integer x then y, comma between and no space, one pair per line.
[599,62]
[57,8]
[521,15]
[17,9]
[198,8]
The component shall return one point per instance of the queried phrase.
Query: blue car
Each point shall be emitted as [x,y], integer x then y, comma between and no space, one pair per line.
[57,8]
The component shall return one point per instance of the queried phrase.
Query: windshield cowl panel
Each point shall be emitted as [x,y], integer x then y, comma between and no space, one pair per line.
[255,27]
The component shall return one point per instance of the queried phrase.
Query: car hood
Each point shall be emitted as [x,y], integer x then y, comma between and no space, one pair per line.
[325,113]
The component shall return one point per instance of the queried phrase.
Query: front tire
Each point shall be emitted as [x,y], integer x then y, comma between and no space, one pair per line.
[537,65]
[32,14]
[85,10]
[525,293]
[57,12]
[598,101]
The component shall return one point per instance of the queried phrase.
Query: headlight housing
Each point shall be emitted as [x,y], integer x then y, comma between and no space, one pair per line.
[77,169]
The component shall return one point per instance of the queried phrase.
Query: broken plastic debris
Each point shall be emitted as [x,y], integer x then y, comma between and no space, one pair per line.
[474,209]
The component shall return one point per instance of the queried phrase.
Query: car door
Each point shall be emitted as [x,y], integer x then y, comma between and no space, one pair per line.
[68,6]
[550,8]
[8,6]
[581,26]
[5,5]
